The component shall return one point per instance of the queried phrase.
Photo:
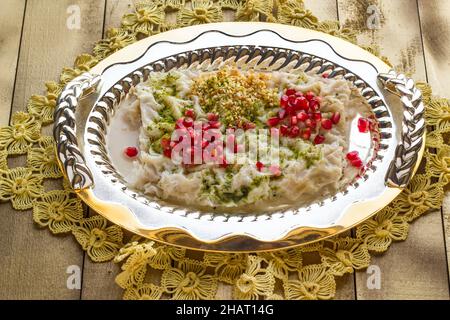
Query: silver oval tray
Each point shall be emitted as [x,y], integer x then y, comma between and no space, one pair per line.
[85,123]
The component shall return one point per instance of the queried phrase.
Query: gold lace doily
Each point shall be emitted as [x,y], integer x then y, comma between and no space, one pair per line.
[288,274]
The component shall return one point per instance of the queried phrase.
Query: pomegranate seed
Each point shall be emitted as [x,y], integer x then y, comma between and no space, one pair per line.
[284,101]
[293,120]
[272,122]
[311,123]
[290,91]
[357,163]
[281,113]
[189,113]
[276,171]
[309,95]
[167,153]
[259,165]
[327,124]
[188,122]
[302,116]
[212,117]
[165,143]
[293,132]
[335,117]
[319,139]
[291,100]
[131,152]
[306,133]
[313,105]
[325,75]
[284,130]
[317,116]
[290,110]
[353,155]
[363,125]
[301,103]
[214,124]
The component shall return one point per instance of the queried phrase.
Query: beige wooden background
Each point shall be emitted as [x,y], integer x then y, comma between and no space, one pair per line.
[35,44]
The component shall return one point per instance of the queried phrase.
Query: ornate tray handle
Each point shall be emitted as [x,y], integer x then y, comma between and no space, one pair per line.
[401,168]
[65,131]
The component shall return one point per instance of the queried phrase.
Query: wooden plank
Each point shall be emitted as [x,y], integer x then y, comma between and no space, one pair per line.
[34,262]
[11,18]
[398,34]
[405,273]
[435,24]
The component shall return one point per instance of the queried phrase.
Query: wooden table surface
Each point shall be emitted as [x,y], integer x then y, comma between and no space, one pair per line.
[35,45]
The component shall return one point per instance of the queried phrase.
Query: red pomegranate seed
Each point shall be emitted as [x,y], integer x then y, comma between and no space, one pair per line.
[214,124]
[325,75]
[357,163]
[167,153]
[165,143]
[291,100]
[284,101]
[335,117]
[290,91]
[284,130]
[290,110]
[302,116]
[275,170]
[353,155]
[189,113]
[314,105]
[293,132]
[306,133]
[282,113]
[363,125]
[301,103]
[311,123]
[131,152]
[319,139]
[293,120]
[188,122]
[272,122]
[317,116]
[327,124]
[259,165]
[212,117]
[309,95]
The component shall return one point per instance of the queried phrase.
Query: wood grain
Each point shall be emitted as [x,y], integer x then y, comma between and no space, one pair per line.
[435,22]
[34,262]
[406,274]
[398,34]
[11,19]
